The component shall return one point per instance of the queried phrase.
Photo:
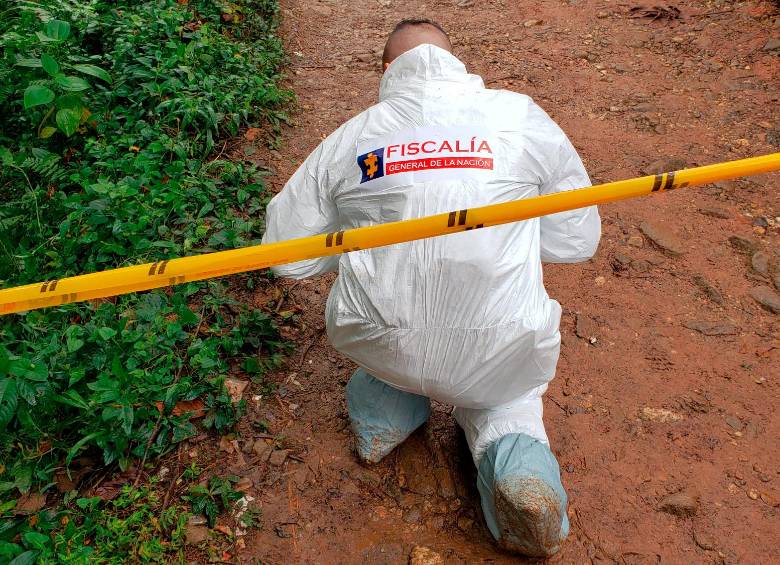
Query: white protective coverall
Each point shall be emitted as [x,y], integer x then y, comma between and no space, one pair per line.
[464,318]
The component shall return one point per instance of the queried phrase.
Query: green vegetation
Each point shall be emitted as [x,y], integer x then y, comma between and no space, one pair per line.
[110,117]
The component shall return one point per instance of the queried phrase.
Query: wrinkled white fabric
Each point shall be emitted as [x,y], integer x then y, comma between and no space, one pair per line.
[483,426]
[463,318]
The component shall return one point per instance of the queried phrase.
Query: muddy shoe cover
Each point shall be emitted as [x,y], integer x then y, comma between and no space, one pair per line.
[382,417]
[522,496]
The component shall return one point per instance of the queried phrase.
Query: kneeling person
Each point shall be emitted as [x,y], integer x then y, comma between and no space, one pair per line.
[463,319]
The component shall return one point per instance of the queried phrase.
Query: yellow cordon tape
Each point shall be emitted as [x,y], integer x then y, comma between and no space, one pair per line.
[187,269]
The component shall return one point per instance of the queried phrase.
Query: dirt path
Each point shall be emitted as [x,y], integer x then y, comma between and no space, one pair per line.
[644,404]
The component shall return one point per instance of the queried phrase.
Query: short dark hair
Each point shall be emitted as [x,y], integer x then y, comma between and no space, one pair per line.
[410,22]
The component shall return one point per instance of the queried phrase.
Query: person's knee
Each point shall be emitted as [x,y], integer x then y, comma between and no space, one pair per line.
[382,416]
[523,499]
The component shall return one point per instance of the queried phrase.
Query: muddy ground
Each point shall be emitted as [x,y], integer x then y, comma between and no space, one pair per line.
[670,369]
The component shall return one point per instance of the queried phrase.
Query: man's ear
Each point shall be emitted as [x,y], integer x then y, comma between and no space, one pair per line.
[384,67]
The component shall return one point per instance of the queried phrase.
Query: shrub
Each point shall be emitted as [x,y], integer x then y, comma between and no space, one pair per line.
[109,115]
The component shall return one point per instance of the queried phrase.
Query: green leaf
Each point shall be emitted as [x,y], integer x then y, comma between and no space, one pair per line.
[35,540]
[37,95]
[93,71]
[76,375]
[8,159]
[5,361]
[49,64]
[79,444]
[29,370]
[73,398]
[68,121]
[74,344]
[107,333]
[126,417]
[9,549]
[70,101]
[72,84]
[28,62]
[47,132]
[8,401]
[26,558]
[57,29]
[117,368]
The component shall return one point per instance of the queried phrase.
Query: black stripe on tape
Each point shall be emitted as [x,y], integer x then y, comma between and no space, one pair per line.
[657,182]
[462,217]
[161,270]
[53,285]
[669,182]
[339,238]
[152,269]
[451,220]
[329,240]
[44,285]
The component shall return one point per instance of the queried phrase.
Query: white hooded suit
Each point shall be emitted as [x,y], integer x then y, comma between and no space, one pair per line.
[463,318]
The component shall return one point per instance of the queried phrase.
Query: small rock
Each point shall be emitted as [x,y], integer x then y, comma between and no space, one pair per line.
[645,107]
[760,222]
[636,241]
[663,165]
[752,494]
[709,291]
[743,244]
[465,523]
[197,520]
[601,15]
[384,553]
[262,449]
[703,540]
[278,457]
[425,556]
[249,149]
[365,57]
[663,238]
[776,281]
[586,328]
[680,504]
[640,265]
[767,297]
[531,23]
[413,515]
[195,535]
[712,328]
[734,423]
[715,212]
[772,44]
[620,262]
[659,415]
[760,263]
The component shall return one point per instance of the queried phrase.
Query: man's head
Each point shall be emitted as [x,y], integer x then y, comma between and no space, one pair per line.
[410,33]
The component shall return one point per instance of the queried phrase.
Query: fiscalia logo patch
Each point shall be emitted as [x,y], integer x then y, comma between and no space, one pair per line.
[372,164]
[431,149]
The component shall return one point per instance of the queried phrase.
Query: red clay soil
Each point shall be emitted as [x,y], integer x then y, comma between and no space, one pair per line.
[670,369]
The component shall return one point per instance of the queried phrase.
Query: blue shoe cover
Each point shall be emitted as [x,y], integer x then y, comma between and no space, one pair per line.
[522,496]
[382,417]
